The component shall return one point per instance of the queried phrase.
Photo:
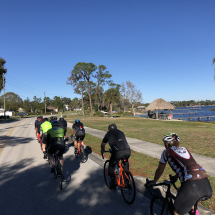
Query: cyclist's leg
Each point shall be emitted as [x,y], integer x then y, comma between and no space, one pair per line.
[61,149]
[126,154]
[112,164]
[76,144]
[51,150]
[82,140]
[44,145]
[190,192]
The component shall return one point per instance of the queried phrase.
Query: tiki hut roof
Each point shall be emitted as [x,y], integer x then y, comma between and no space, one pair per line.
[160,104]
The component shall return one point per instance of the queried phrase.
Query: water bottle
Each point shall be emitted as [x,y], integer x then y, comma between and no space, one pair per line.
[117,170]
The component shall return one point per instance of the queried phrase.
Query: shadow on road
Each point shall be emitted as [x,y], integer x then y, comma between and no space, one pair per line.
[27,188]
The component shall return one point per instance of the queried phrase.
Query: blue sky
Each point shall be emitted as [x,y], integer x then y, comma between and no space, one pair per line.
[165,48]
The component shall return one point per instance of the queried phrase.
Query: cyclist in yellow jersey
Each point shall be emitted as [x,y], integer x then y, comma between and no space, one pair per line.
[44,127]
[55,143]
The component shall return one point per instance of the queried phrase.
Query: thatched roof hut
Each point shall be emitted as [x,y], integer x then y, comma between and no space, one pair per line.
[159,104]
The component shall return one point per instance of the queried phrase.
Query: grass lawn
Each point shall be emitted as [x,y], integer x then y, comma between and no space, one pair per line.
[198,137]
[143,165]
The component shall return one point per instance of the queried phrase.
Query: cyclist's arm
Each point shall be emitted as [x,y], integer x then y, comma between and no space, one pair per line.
[103,147]
[159,171]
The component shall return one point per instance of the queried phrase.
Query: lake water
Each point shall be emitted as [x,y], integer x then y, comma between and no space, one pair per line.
[185,112]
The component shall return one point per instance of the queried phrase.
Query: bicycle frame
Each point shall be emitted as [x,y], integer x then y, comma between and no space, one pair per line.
[119,178]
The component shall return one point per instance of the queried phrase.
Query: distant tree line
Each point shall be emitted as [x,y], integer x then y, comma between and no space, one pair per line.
[13,102]
[192,103]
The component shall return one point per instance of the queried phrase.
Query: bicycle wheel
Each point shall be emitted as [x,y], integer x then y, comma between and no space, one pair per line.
[60,175]
[159,206]
[128,190]
[106,176]
[82,154]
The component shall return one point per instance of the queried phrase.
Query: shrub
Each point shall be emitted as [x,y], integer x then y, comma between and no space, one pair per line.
[98,114]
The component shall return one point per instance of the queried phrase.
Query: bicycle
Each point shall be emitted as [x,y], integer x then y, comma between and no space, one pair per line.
[166,203]
[81,152]
[124,180]
[58,172]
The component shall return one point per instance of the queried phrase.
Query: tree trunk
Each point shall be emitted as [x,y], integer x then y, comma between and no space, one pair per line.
[88,89]
[133,109]
[82,103]
[111,113]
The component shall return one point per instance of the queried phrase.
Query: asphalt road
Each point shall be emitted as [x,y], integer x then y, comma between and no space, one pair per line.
[28,187]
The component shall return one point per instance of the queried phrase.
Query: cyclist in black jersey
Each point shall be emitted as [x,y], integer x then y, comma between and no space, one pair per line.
[78,127]
[193,177]
[119,147]
[63,124]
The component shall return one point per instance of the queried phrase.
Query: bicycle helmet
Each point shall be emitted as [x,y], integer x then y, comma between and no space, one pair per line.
[77,120]
[55,123]
[112,126]
[54,118]
[170,138]
[45,119]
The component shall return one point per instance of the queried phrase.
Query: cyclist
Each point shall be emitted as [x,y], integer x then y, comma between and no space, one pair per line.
[80,133]
[35,124]
[40,121]
[119,147]
[63,124]
[55,142]
[45,126]
[193,177]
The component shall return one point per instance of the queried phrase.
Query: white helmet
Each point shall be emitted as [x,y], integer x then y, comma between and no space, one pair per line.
[170,137]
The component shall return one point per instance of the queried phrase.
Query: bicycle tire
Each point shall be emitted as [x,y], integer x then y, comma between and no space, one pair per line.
[129,191]
[159,206]
[82,154]
[59,175]
[106,176]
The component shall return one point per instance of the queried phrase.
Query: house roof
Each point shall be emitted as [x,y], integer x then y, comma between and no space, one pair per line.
[160,104]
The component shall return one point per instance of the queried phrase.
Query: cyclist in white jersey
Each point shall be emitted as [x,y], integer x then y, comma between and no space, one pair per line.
[194,182]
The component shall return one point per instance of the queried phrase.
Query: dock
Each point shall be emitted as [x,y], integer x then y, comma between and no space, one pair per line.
[198,117]
[190,113]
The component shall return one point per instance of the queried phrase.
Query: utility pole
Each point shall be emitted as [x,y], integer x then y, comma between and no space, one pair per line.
[45,101]
[4,94]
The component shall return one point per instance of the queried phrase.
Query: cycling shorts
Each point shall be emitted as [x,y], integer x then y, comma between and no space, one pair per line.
[79,135]
[190,192]
[54,148]
[44,138]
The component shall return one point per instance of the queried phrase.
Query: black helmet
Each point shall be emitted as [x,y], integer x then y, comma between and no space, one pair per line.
[112,126]
[54,118]
[77,120]
[55,123]
[45,119]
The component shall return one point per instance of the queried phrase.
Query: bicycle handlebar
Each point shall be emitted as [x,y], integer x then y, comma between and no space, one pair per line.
[164,183]
[109,150]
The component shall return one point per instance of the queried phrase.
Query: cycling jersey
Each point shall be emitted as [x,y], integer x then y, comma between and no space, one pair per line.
[183,164]
[80,131]
[116,140]
[39,123]
[63,123]
[55,136]
[44,127]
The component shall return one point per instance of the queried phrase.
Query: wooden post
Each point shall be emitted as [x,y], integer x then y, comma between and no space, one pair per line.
[156,114]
